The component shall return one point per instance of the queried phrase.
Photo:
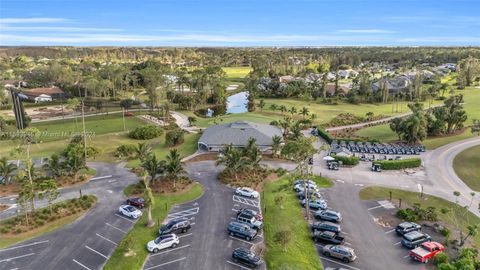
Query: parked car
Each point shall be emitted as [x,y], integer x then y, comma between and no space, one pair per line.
[247,192]
[406,227]
[426,251]
[313,195]
[326,226]
[254,213]
[137,202]
[329,237]
[129,211]
[328,215]
[301,181]
[181,225]
[301,187]
[414,239]
[241,230]
[250,220]
[343,253]
[315,204]
[163,242]
[246,257]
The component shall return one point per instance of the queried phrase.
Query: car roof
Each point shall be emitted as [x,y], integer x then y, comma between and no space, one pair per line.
[414,234]
[238,224]
[242,249]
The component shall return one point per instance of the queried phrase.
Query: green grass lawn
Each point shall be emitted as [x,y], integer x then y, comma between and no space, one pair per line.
[464,218]
[283,212]
[466,165]
[237,72]
[139,236]
[256,117]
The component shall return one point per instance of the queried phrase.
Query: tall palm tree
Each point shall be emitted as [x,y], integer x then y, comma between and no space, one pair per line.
[304,112]
[232,158]
[173,165]
[149,200]
[153,166]
[273,107]
[6,170]
[276,144]
[296,130]
[292,110]
[142,151]
[283,109]
[285,125]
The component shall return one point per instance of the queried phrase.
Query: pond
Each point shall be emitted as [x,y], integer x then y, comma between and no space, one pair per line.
[237,103]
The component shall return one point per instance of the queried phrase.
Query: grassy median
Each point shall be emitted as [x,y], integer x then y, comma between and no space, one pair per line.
[287,236]
[131,252]
[466,167]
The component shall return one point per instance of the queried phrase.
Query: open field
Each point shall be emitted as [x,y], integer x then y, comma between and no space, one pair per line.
[137,238]
[280,204]
[463,216]
[466,166]
[237,72]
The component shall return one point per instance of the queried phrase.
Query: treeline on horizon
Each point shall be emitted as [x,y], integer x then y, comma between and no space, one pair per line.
[210,56]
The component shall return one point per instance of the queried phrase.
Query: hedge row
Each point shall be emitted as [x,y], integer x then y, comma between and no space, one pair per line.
[347,160]
[399,164]
[325,135]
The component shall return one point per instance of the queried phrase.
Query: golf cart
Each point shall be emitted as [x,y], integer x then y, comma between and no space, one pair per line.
[376,167]
[333,165]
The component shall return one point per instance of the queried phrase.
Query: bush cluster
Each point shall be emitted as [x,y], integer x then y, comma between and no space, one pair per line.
[174,137]
[399,164]
[417,213]
[351,161]
[145,132]
[125,151]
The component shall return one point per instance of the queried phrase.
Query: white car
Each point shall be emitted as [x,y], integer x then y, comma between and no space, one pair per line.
[163,242]
[130,211]
[247,192]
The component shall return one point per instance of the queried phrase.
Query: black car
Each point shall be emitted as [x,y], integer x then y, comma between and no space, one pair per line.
[415,239]
[246,257]
[137,202]
[175,226]
[326,226]
[241,230]
[406,227]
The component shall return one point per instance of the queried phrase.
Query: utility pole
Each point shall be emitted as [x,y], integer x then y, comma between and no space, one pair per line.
[84,133]
[123,116]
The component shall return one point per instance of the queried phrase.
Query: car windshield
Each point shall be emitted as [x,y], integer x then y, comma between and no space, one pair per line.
[130,208]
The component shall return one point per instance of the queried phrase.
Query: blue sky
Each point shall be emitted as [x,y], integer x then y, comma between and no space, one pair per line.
[240,23]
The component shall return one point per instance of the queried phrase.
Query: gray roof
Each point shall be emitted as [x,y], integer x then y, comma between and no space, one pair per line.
[238,133]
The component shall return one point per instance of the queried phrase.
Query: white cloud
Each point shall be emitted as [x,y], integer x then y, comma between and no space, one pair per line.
[57,29]
[365,31]
[31,20]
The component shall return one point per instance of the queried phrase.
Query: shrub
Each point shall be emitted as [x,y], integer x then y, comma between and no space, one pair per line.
[352,161]
[407,214]
[399,164]
[441,258]
[325,135]
[145,133]
[125,151]
[174,137]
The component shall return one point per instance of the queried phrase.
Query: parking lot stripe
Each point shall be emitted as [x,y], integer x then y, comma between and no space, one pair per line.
[246,201]
[244,241]
[106,239]
[18,257]
[375,207]
[348,244]
[398,243]
[392,230]
[27,245]
[339,263]
[406,256]
[170,262]
[170,250]
[96,252]
[318,245]
[132,221]
[238,265]
[100,177]
[81,264]
[108,224]
[184,213]
[185,235]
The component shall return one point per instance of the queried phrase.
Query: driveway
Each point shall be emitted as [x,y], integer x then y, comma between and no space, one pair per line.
[88,242]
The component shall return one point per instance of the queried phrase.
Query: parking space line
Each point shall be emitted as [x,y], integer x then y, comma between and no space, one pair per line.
[27,245]
[392,230]
[170,262]
[81,264]
[184,213]
[406,256]
[17,257]
[185,235]
[398,243]
[106,239]
[238,265]
[246,201]
[96,252]
[244,241]
[170,250]
[347,243]
[132,221]
[318,245]
[375,207]
[108,224]
[339,263]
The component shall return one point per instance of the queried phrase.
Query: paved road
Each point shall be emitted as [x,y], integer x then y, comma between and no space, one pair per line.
[88,242]
[182,121]
[207,245]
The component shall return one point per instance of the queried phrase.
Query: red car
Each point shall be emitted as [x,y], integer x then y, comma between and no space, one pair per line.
[426,251]
[137,202]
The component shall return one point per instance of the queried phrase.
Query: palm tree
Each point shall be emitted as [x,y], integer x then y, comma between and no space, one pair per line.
[153,166]
[142,151]
[283,109]
[296,130]
[174,165]
[276,145]
[6,170]
[285,125]
[149,200]
[232,158]
[261,104]
[73,104]
[472,231]
[273,107]
[304,112]
[292,110]
[53,165]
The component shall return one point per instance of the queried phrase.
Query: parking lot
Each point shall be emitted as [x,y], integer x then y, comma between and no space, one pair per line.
[376,245]
[207,244]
